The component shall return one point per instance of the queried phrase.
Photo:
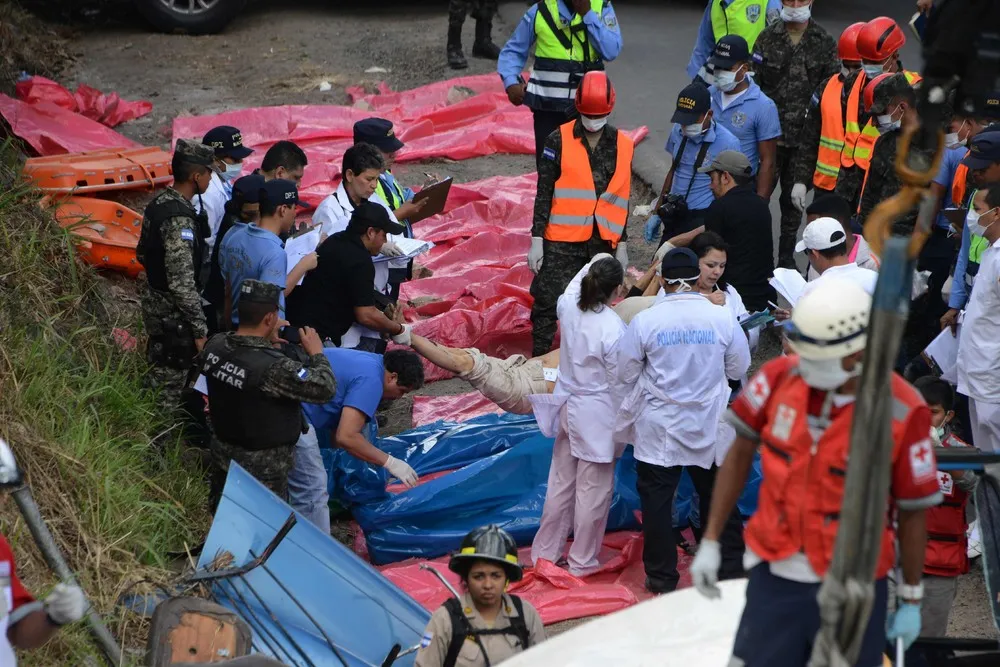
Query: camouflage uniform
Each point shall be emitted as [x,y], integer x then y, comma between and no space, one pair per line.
[561,260]
[789,73]
[482,10]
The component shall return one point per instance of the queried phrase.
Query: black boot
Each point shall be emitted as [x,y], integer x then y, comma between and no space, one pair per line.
[484,47]
[456,59]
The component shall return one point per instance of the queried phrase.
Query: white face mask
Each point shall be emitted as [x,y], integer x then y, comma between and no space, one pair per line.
[726,81]
[233,171]
[796,14]
[886,123]
[951,140]
[845,71]
[593,124]
[872,71]
[939,431]
[694,130]
[682,285]
[972,222]
[826,375]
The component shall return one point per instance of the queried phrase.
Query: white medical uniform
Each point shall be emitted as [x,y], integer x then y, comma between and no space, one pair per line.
[218,193]
[979,353]
[862,277]
[725,433]
[580,415]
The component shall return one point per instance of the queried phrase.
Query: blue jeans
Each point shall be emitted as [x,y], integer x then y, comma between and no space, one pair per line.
[307,482]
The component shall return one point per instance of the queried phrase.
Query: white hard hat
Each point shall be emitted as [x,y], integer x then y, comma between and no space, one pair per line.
[830,322]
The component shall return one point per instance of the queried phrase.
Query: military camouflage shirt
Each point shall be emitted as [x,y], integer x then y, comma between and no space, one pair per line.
[285,379]
[181,300]
[884,183]
[789,73]
[812,124]
[603,160]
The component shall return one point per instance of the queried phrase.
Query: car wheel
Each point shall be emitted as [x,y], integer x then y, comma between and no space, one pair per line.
[196,17]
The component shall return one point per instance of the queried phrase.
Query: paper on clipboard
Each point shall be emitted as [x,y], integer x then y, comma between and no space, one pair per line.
[942,353]
[436,195]
[299,246]
[201,385]
[789,283]
[410,247]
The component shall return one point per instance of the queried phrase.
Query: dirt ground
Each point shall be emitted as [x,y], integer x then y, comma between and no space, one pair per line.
[280,54]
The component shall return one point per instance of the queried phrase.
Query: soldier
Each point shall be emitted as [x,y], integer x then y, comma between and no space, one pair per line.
[255,392]
[483,47]
[790,60]
[171,246]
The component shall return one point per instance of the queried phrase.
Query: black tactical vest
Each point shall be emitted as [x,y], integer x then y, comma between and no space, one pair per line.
[150,250]
[242,415]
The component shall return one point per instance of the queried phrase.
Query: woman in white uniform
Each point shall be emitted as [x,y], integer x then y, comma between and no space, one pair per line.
[580,415]
[713,252]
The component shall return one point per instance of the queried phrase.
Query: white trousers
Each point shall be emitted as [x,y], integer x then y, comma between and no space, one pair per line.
[985,418]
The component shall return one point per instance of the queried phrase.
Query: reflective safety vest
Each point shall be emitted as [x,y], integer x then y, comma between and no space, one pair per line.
[393,196]
[831,139]
[576,208]
[947,544]
[977,245]
[958,184]
[563,54]
[858,141]
[746,18]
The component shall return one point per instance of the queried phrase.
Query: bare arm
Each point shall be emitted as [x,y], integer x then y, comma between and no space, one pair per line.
[348,436]
[32,631]
[684,240]
[373,318]
[729,485]
[912,544]
[448,358]
[765,171]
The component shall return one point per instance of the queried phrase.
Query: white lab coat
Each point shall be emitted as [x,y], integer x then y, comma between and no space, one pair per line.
[979,344]
[676,357]
[851,272]
[588,369]
[214,199]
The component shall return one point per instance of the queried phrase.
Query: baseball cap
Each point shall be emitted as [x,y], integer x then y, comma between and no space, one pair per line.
[732,162]
[379,133]
[680,264]
[226,141]
[692,103]
[820,234]
[249,187]
[280,192]
[984,150]
[193,152]
[730,50]
[369,214]
[259,291]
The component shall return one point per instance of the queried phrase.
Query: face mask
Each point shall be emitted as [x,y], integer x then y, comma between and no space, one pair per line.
[939,432]
[232,172]
[796,14]
[951,140]
[726,81]
[972,222]
[872,71]
[887,124]
[845,71]
[694,130]
[682,285]
[826,375]
[593,124]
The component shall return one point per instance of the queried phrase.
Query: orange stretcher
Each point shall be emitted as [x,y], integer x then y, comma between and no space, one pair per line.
[107,232]
[100,171]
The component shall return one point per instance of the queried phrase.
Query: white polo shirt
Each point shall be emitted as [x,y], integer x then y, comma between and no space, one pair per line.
[979,345]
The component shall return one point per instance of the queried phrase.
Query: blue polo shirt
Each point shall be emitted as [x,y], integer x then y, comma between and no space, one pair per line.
[360,378]
[719,139]
[946,178]
[752,118]
[249,252]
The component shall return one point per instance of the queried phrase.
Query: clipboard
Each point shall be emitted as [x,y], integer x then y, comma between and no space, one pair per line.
[437,195]
[956,216]
[918,24]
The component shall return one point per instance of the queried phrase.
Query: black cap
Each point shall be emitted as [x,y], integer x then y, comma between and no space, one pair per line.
[680,263]
[279,192]
[377,132]
[227,141]
[249,188]
[259,291]
[692,104]
[369,214]
[984,150]
[730,50]
[991,106]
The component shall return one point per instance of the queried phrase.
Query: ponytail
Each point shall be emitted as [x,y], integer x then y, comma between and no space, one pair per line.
[600,283]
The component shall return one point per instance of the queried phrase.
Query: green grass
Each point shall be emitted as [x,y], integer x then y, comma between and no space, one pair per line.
[73,407]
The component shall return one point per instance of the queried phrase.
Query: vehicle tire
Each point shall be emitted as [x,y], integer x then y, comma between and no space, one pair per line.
[207,16]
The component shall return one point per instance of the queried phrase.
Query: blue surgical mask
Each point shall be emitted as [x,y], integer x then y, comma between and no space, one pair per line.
[726,80]
[233,171]
[872,71]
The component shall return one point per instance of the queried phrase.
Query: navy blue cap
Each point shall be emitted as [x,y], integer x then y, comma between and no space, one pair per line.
[377,132]
[680,263]
[226,141]
[692,104]
[984,150]
[280,192]
[249,187]
[730,50]
[369,214]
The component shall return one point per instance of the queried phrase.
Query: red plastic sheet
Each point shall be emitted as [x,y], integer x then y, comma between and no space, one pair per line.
[52,130]
[106,108]
[457,408]
[553,591]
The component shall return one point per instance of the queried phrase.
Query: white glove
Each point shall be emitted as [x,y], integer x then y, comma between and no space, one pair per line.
[705,569]
[799,196]
[663,250]
[65,604]
[535,254]
[390,249]
[403,338]
[621,254]
[401,470]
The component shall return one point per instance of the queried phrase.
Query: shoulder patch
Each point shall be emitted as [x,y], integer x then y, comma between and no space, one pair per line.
[814,100]
[756,57]
[549,154]
[610,21]
[425,641]
[922,461]
[302,374]
[187,234]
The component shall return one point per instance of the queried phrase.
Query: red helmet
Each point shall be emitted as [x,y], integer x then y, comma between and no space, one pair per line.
[595,96]
[847,46]
[869,96]
[879,39]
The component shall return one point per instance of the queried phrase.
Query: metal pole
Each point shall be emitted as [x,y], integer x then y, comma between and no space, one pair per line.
[53,556]
[425,566]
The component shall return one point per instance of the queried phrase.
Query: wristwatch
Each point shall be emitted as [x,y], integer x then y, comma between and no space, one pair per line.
[909,593]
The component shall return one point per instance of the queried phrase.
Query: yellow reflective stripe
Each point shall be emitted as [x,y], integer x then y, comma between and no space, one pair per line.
[835,144]
[827,170]
[977,244]
[852,126]
[511,558]
[468,550]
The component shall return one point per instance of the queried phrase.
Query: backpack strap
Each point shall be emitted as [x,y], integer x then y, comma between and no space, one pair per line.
[518,624]
[460,628]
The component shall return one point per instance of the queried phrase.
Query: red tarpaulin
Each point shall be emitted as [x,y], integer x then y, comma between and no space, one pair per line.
[105,108]
[456,408]
[52,130]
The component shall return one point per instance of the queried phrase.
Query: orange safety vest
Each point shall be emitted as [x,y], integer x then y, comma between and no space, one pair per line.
[859,141]
[575,204]
[831,139]
[958,184]
[947,545]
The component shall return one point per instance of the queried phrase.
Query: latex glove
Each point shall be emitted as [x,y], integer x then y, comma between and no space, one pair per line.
[904,622]
[621,254]
[390,249]
[65,604]
[535,254]
[705,569]
[799,196]
[403,338]
[651,232]
[663,250]
[401,470]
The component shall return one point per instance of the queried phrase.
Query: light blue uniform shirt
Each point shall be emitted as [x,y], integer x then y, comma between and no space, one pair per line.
[360,379]
[720,139]
[704,44]
[603,31]
[959,290]
[752,118]
[249,252]
[946,177]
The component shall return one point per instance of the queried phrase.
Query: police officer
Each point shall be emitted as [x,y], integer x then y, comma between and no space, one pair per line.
[483,47]
[791,59]
[227,142]
[171,247]
[255,392]
[571,37]
[584,181]
[745,18]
